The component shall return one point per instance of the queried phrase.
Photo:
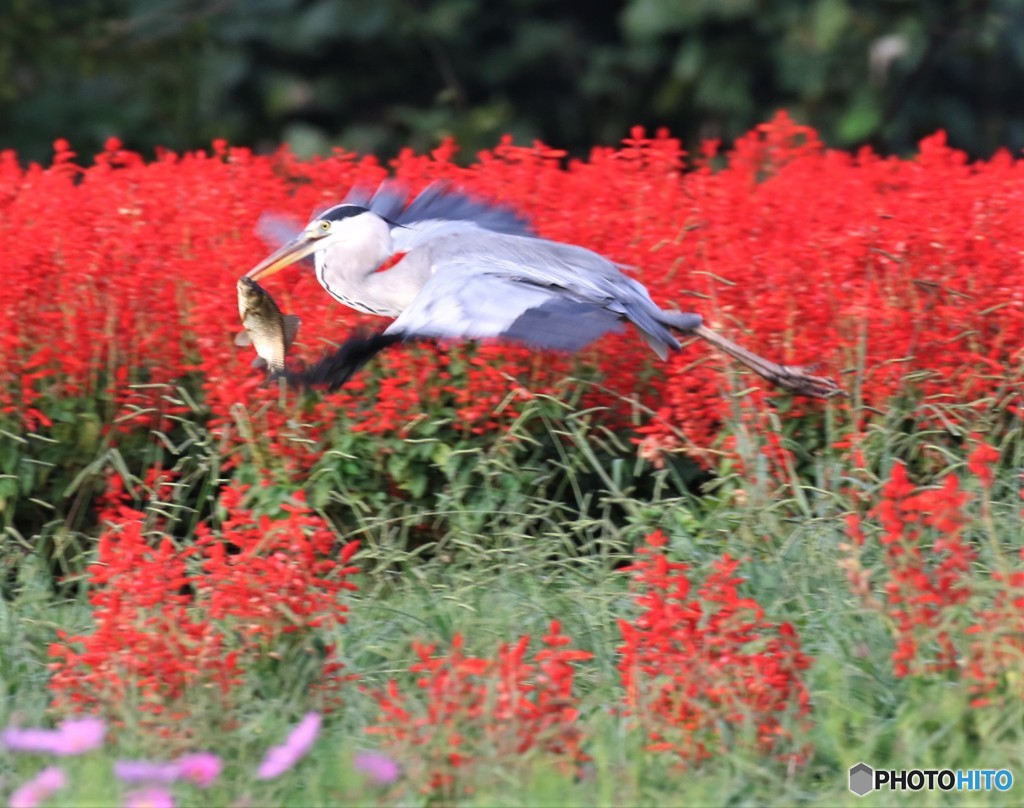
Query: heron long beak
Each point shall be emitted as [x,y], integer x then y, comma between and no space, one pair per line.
[295,250]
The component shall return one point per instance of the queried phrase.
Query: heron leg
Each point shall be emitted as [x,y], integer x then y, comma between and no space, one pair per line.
[790,377]
[337,367]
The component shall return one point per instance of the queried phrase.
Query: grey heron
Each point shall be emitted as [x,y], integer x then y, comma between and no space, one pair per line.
[474,270]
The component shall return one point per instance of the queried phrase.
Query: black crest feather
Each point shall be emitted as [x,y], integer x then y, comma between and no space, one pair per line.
[342,211]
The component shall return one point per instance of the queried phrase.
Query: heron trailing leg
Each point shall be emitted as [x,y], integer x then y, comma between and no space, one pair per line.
[795,378]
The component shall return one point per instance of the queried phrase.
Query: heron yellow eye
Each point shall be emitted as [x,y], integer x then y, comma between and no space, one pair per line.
[325,226]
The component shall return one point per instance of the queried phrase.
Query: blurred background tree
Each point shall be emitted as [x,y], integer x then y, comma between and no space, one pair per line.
[376,75]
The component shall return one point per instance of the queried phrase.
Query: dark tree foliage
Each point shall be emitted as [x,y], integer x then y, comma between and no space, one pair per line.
[376,75]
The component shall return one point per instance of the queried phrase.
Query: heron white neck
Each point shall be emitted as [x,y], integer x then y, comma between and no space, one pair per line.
[348,271]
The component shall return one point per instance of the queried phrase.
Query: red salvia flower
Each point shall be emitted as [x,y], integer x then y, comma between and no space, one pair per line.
[704,670]
[170,620]
[981,460]
[466,709]
[996,651]
[927,568]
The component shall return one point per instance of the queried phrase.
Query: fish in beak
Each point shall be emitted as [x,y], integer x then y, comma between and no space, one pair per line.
[269,331]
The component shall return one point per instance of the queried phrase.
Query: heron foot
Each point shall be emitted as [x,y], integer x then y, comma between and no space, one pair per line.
[800,380]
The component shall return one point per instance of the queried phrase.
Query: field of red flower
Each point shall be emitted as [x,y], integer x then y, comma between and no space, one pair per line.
[211,570]
[901,276]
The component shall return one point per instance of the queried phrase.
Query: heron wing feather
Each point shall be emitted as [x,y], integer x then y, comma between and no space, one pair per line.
[463,303]
[438,210]
[277,229]
[568,272]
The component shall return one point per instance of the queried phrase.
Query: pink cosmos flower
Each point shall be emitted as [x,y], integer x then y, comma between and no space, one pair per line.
[201,768]
[378,767]
[280,759]
[145,771]
[153,797]
[38,789]
[72,737]
[29,740]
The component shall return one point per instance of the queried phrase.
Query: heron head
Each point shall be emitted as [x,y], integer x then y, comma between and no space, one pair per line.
[344,224]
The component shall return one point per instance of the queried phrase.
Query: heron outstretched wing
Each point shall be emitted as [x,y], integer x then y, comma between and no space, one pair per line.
[276,229]
[438,210]
[464,303]
[484,271]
